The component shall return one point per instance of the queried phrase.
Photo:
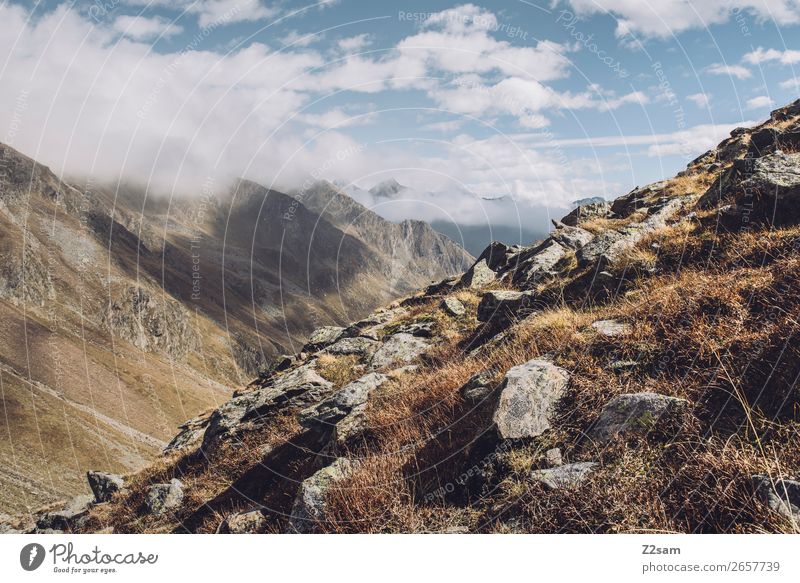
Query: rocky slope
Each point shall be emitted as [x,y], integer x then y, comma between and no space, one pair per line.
[634,372]
[122,313]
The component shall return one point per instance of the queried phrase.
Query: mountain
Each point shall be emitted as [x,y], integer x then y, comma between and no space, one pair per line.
[635,371]
[387,189]
[123,313]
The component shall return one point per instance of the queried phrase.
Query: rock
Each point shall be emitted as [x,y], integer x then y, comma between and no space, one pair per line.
[310,504]
[423,329]
[341,403]
[103,485]
[445,286]
[571,237]
[190,434]
[161,498]
[479,275]
[567,476]
[322,337]
[502,307]
[781,495]
[528,393]
[358,345]
[68,519]
[611,328]
[453,307]
[478,387]
[553,458]
[399,348]
[496,255]
[587,212]
[301,386]
[538,262]
[249,522]
[623,365]
[635,413]
[636,199]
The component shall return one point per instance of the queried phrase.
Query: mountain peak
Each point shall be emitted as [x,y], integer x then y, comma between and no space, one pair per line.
[387,188]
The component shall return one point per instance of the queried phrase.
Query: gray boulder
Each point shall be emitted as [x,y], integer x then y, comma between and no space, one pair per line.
[322,337]
[342,402]
[399,348]
[478,387]
[453,307]
[68,519]
[504,306]
[310,504]
[190,434]
[586,212]
[248,522]
[571,237]
[357,345]
[553,457]
[161,498]
[479,275]
[636,413]
[538,262]
[568,476]
[104,485]
[781,495]
[528,394]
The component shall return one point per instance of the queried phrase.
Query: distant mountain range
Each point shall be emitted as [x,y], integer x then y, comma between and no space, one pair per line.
[124,313]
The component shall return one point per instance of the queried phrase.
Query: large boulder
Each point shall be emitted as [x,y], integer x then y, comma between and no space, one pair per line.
[587,212]
[496,255]
[637,199]
[398,349]
[322,337]
[248,522]
[780,494]
[190,434]
[566,476]
[357,345]
[636,413]
[534,264]
[161,498]
[570,237]
[479,275]
[527,396]
[68,519]
[104,485]
[453,307]
[504,306]
[342,402]
[310,504]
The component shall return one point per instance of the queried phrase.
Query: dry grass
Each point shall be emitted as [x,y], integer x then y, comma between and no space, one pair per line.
[337,369]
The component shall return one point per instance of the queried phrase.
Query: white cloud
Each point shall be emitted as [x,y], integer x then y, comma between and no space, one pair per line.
[761,56]
[699,99]
[670,17]
[211,13]
[354,44]
[737,71]
[142,28]
[759,102]
[790,84]
[336,118]
[299,39]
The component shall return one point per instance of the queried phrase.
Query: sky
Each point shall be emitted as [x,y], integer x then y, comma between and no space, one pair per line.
[542,102]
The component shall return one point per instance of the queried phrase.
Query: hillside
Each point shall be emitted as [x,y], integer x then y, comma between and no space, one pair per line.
[123,313]
[635,372]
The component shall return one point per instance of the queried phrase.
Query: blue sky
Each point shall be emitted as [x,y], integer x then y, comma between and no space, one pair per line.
[544,103]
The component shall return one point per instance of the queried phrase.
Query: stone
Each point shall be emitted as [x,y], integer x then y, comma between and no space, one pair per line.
[445,286]
[496,255]
[567,476]
[505,306]
[341,403]
[528,394]
[453,307]
[322,337]
[553,458]
[424,329]
[104,485]
[479,275]
[782,495]
[538,262]
[357,345]
[571,237]
[68,519]
[478,387]
[161,498]
[623,365]
[249,522]
[399,348]
[611,328]
[636,199]
[189,434]
[310,504]
[587,212]
[635,413]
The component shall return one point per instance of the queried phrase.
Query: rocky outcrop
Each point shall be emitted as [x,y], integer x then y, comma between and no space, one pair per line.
[586,212]
[533,265]
[343,402]
[505,306]
[322,337]
[310,503]
[104,486]
[162,498]
[528,395]
[453,307]
[479,275]
[399,349]
[781,495]
[637,413]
